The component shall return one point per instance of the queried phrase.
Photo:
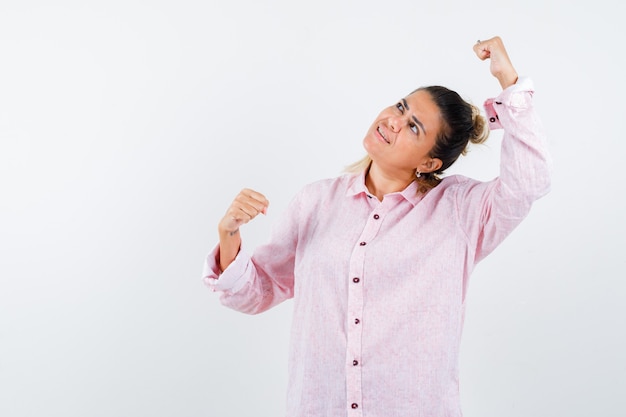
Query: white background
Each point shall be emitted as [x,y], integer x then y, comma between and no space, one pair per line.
[127,127]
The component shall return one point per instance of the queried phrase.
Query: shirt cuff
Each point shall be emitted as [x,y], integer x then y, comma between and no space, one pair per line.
[516,95]
[233,278]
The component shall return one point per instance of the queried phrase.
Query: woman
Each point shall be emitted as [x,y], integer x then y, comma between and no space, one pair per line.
[378,260]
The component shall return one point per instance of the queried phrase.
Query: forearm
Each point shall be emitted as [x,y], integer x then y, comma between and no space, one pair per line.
[507,79]
[525,165]
[230,243]
[253,284]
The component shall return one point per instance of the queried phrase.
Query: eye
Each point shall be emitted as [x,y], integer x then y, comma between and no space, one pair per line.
[414,128]
[400,107]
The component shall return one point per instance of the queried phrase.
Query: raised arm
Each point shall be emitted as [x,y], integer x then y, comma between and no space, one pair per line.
[489,211]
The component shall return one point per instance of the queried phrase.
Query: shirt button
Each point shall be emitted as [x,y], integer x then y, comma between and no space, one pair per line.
[362,243]
[355,405]
[355,362]
[492,119]
[357,321]
[355,280]
[376,216]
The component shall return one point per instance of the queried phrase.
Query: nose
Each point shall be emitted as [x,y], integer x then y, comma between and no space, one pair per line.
[395,123]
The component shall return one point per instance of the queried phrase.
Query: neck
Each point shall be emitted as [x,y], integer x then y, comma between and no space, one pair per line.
[380,183]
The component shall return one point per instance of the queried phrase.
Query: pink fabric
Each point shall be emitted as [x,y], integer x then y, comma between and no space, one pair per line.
[379,287]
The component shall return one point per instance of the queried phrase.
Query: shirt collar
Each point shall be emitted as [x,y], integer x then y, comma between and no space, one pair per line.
[356,186]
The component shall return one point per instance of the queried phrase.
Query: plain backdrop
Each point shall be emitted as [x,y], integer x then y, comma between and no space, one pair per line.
[127,127]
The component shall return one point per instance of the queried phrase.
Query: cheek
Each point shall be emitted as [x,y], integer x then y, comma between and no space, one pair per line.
[416,151]
[369,142]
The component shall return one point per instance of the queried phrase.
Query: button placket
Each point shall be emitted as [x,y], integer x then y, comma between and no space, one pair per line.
[355,311]
[354,332]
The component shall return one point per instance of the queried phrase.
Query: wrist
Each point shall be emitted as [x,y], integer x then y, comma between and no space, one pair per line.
[507,80]
[225,233]
[227,226]
[230,234]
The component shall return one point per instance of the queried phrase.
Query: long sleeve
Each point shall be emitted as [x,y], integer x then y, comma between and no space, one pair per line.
[525,171]
[253,284]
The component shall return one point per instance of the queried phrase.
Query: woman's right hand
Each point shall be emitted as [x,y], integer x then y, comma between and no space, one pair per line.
[246,206]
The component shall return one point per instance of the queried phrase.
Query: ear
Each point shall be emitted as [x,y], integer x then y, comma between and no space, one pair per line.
[430,165]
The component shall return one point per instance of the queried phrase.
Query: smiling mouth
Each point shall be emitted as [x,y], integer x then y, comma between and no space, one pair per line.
[380,132]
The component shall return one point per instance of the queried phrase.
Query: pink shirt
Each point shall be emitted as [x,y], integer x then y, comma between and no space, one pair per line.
[379,288]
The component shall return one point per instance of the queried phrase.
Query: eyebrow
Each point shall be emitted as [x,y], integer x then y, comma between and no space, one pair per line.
[406,106]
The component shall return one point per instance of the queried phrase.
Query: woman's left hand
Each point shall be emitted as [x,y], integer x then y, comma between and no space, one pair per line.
[501,66]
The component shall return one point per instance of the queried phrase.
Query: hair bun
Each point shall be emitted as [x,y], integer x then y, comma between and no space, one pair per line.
[480,132]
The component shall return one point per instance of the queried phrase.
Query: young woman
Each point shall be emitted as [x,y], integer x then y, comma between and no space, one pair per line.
[378,260]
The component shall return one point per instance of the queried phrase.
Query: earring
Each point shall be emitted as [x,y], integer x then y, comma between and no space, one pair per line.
[418,174]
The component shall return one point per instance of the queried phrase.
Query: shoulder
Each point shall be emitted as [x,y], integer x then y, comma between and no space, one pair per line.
[328,185]
[465,192]
[453,187]
[321,193]
[455,182]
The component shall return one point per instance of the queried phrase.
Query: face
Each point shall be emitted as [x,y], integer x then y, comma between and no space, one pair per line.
[400,139]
